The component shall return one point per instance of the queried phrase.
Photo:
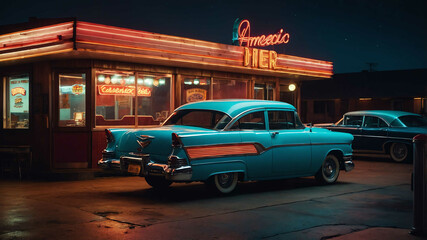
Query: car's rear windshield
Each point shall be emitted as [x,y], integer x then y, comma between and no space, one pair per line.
[199,118]
[413,121]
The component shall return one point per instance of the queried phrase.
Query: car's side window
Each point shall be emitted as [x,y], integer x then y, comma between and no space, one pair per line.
[374,122]
[353,121]
[281,120]
[251,121]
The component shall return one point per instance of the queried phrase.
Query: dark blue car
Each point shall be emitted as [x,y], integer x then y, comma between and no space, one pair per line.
[380,131]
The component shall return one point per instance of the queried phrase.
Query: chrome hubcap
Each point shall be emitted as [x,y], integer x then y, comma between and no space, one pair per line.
[225,179]
[399,151]
[330,168]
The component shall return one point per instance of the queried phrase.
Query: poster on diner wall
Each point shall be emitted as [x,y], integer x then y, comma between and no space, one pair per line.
[18,98]
[196,94]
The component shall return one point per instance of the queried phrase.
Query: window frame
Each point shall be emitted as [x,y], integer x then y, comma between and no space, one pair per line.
[3,101]
[55,99]
[244,114]
[294,118]
[378,118]
[172,84]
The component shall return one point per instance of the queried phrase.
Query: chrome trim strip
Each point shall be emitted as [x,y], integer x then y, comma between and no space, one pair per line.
[259,147]
[216,162]
[373,136]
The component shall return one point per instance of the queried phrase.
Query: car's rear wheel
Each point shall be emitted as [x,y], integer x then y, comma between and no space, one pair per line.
[398,152]
[223,183]
[329,171]
[157,182]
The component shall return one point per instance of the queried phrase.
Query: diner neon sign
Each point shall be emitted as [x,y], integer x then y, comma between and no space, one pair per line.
[242,36]
[123,90]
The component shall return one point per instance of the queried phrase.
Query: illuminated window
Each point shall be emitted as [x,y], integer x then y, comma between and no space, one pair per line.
[16,114]
[226,89]
[72,100]
[195,89]
[154,101]
[115,98]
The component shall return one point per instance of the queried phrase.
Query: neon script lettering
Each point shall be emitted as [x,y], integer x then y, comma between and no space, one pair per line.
[123,90]
[245,39]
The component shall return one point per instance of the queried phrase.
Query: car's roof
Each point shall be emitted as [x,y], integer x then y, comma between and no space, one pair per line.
[233,107]
[388,115]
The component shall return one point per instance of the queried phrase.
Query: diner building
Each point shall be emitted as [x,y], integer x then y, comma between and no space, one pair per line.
[65,81]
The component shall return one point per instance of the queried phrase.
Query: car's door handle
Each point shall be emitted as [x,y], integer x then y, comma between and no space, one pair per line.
[273,134]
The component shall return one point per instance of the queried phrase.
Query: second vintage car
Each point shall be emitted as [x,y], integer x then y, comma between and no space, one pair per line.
[382,131]
[225,141]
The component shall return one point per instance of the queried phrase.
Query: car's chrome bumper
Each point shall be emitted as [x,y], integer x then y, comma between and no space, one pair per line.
[109,164]
[183,173]
[348,163]
[147,167]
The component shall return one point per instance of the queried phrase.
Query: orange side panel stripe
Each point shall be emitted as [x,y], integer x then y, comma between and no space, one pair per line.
[221,150]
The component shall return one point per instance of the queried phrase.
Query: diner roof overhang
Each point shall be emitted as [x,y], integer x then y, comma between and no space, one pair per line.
[84,40]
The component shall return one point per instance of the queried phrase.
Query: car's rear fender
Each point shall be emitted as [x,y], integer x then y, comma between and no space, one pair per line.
[203,170]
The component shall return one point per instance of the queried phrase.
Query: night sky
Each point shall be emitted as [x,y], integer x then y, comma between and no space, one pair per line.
[392,34]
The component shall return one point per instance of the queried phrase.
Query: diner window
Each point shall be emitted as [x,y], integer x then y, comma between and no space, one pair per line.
[16,114]
[195,89]
[264,91]
[72,100]
[153,97]
[115,98]
[226,89]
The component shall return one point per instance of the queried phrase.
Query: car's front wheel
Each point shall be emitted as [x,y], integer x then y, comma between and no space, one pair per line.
[329,171]
[157,182]
[223,183]
[398,152]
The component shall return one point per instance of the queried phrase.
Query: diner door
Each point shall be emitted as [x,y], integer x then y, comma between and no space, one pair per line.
[71,132]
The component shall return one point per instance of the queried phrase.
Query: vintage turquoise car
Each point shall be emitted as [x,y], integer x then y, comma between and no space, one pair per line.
[225,141]
[382,131]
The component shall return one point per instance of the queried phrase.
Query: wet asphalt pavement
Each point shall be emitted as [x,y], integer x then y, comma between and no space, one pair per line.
[376,194]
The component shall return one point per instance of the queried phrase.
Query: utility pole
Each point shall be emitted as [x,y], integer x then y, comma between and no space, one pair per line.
[372,66]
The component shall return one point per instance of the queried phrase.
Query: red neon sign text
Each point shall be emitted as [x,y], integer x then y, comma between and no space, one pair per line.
[246,40]
[123,90]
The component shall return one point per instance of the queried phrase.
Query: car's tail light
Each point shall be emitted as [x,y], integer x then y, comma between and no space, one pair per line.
[109,135]
[176,142]
[176,162]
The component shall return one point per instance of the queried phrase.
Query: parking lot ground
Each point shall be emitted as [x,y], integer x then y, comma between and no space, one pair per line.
[374,201]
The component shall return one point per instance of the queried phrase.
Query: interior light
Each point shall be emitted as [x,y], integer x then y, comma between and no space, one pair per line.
[140,81]
[162,81]
[196,81]
[101,78]
[188,82]
[130,80]
[116,79]
[365,99]
[292,87]
[148,81]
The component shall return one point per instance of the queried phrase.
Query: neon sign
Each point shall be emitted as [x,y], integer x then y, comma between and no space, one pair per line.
[18,90]
[259,58]
[123,90]
[77,89]
[242,36]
